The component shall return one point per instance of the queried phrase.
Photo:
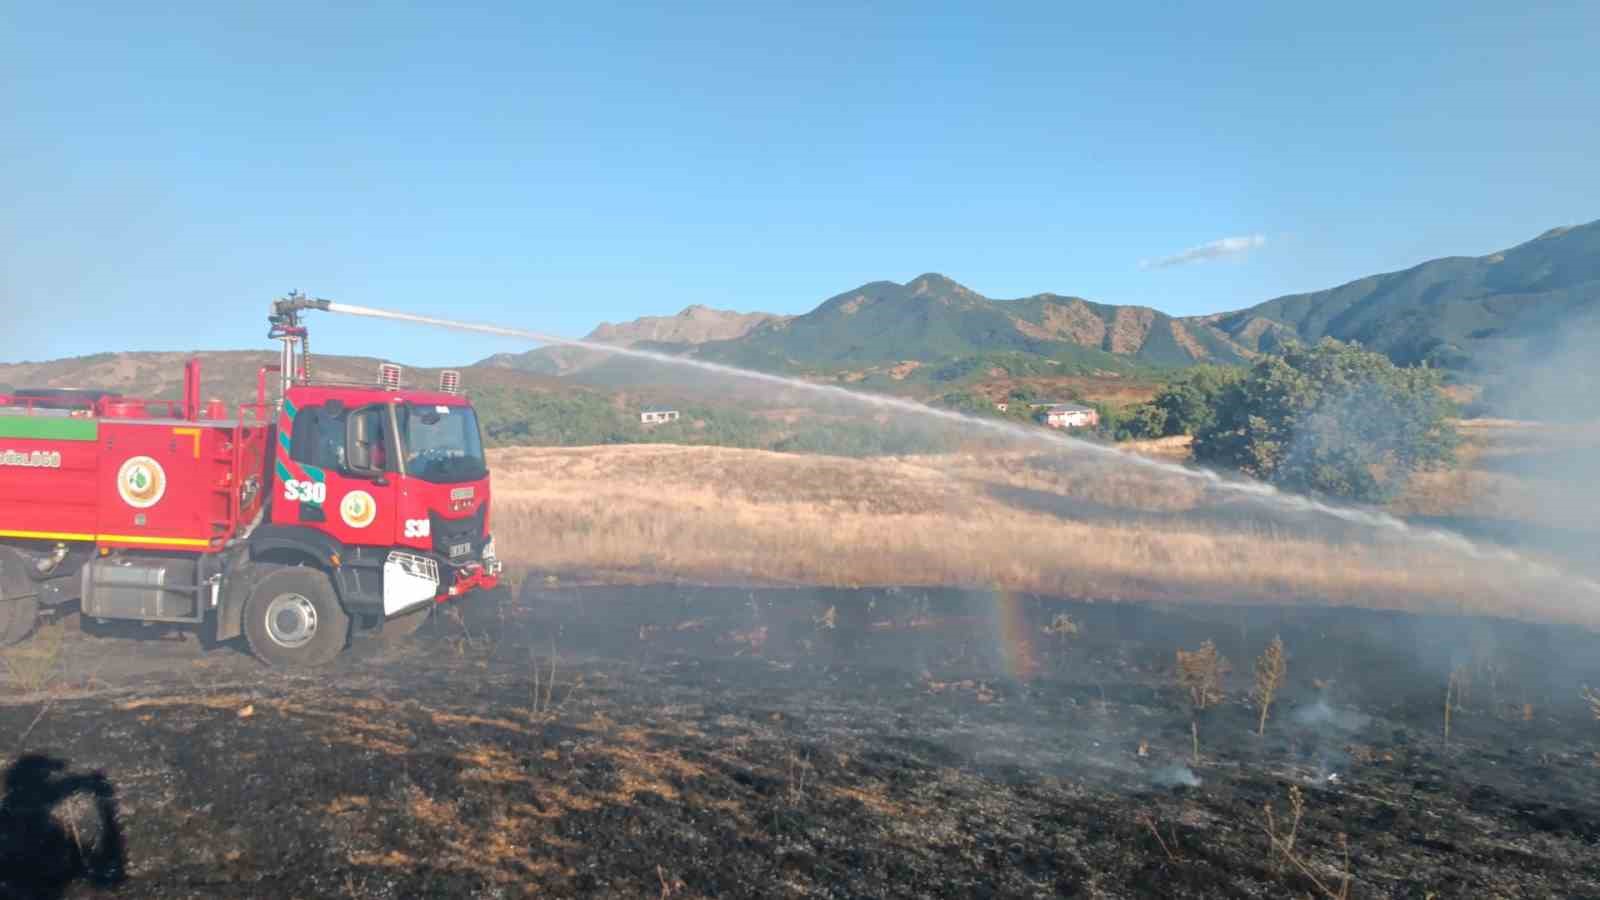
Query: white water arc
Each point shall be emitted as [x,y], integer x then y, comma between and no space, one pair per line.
[1254,490]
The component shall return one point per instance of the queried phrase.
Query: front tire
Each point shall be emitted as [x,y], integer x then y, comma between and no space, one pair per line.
[293,618]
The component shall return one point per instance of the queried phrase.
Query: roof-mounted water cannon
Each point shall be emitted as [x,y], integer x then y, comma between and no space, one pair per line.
[450,381]
[283,324]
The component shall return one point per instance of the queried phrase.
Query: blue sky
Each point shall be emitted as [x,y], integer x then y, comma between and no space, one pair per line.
[164,174]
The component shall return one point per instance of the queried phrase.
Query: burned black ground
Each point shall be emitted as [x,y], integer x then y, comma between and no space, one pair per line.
[701,742]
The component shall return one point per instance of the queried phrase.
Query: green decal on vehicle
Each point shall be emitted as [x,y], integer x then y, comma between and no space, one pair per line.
[48,428]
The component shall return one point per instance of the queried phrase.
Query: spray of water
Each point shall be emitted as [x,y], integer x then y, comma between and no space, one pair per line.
[1265,494]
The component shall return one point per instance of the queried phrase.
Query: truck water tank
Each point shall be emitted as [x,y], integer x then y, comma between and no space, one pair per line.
[124,409]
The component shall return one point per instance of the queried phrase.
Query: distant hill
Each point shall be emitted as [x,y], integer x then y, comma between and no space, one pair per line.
[933,318]
[1470,314]
[1482,313]
[1524,317]
[230,375]
[694,325]
[929,330]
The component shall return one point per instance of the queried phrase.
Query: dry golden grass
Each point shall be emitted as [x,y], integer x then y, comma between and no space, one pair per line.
[1077,528]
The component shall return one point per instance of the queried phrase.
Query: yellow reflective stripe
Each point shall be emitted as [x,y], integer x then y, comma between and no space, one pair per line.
[148,539]
[48,535]
[115,538]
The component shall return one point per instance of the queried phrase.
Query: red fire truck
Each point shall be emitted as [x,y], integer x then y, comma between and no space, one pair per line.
[340,508]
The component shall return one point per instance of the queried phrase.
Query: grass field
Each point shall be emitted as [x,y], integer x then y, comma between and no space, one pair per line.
[1073,526]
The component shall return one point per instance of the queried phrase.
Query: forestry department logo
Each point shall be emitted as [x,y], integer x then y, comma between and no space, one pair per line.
[142,482]
[358,509]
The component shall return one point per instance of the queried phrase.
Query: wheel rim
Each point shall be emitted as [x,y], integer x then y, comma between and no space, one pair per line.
[291,621]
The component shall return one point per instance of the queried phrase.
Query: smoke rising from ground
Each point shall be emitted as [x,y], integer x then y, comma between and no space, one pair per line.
[1176,775]
[1555,471]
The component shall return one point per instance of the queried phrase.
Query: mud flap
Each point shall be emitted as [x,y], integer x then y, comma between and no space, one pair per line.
[408,581]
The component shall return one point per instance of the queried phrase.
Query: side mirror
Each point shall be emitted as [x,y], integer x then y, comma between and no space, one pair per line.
[358,449]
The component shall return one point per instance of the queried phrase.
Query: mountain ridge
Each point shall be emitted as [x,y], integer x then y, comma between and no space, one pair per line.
[1469,313]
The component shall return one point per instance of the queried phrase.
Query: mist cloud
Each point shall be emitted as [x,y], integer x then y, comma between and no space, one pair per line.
[1228,246]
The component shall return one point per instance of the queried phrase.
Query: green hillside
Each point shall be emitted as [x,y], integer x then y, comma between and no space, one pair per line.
[1467,313]
[1483,317]
[932,318]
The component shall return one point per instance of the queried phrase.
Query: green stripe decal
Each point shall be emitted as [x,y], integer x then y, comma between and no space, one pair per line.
[314,473]
[48,428]
[283,472]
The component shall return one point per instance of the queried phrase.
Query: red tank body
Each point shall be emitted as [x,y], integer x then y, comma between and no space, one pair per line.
[129,474]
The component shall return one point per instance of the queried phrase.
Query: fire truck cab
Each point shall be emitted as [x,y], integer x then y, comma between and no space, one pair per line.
[341,508]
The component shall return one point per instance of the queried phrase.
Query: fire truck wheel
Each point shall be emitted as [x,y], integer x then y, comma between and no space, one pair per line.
[17,615]
[294,619]
[405,624]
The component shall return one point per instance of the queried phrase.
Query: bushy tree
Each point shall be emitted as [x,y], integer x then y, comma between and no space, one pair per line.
[1145,420]
[1189,402]
[1331,419]
[1184,405]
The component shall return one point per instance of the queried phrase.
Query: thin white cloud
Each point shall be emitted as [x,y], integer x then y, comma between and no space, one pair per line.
[1228,246]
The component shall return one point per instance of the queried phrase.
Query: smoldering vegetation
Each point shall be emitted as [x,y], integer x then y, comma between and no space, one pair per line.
[682,741]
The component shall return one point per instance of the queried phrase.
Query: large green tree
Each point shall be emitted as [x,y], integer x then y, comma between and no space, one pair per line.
[1330,419]
[1188,403]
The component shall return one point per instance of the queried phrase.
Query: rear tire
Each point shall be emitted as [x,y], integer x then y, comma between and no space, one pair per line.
[17,616]
[293,618]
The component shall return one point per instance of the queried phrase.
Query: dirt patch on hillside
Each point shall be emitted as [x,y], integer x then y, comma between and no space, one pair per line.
[1072,321]
[1129,329]
[1187,341]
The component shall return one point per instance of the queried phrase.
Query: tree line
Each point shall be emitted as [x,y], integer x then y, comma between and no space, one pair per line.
[1330,419]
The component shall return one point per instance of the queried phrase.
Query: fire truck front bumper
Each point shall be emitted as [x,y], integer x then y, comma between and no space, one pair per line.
[469,578]
[474,576]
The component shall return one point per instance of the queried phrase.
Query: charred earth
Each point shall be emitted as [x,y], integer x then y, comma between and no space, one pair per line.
[680,742]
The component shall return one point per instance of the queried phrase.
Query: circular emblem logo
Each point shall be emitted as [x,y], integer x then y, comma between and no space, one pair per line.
[358,509]
[142,482]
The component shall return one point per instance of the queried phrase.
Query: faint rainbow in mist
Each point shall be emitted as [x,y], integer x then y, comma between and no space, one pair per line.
[1016,638]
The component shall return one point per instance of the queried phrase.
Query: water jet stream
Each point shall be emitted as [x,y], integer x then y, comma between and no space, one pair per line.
[1257,491]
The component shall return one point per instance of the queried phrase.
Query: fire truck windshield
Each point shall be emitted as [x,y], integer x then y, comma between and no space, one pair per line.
[441,444]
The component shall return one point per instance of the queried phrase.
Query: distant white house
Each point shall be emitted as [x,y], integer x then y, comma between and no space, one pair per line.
[1068,415]
[657,415]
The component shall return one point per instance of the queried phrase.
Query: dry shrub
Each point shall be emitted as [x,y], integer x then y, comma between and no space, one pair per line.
[1170,849]
[1270,668]
[1199,674]
[1061,626]
[1281,847]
